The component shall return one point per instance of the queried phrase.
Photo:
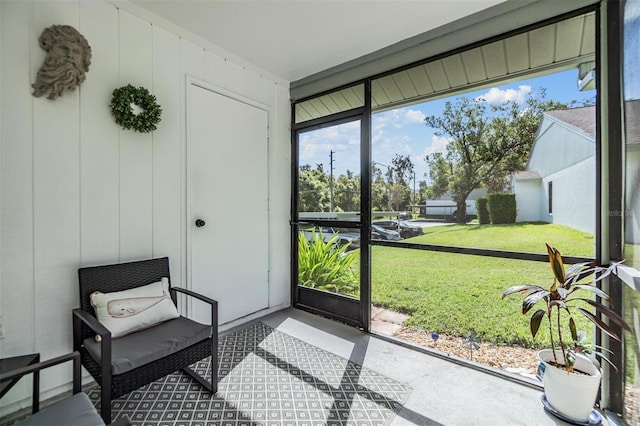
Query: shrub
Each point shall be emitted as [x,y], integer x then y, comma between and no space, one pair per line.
[502,208]
[326,265]
[483,211]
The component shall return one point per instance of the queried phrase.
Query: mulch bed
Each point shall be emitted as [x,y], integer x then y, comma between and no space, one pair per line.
[510,358]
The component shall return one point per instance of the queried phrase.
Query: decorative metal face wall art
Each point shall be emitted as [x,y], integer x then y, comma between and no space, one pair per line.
[68,59]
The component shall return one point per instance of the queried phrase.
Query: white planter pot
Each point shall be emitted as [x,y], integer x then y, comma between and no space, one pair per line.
[570,394]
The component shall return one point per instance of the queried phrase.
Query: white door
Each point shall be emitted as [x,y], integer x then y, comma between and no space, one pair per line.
[227,189]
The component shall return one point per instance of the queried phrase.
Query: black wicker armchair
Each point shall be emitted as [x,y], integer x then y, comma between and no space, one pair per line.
[123,364]
[75,410]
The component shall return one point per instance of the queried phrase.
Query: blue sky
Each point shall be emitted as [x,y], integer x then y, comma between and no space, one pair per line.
[403,131]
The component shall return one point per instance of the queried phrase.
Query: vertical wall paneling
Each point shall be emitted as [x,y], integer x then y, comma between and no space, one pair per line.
[99,138]
[236,78]
[251,86]
[167,217]
[279,184]
[16,180]
[136,217]
[76,189]
[56,198]
[215,69]
[192,60]
[266,92]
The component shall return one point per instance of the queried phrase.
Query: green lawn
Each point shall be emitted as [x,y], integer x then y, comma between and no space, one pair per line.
[454,293]
[525,237]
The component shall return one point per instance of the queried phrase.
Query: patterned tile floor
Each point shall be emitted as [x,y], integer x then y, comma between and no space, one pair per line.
[268,378]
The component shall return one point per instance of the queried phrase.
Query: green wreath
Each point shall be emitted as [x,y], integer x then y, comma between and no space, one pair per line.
[121,110]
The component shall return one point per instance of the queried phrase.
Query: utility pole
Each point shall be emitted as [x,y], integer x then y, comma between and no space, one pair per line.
[414,187]
[331,180]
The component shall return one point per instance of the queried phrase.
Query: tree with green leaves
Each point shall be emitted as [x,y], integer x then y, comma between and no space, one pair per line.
[487,143]
[399,174]
[347,192]
[313,189]
[379,191]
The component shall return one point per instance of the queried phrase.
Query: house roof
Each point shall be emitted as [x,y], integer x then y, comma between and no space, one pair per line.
[583,118]
[527,175]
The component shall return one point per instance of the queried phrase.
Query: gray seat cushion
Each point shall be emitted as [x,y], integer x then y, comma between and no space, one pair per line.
[145,346]
[76,410]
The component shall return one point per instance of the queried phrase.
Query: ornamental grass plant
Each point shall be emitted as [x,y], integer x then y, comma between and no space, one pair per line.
[326,265]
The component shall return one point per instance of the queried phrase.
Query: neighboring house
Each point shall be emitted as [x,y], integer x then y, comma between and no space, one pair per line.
[558,185]
[446,208]
[632,184]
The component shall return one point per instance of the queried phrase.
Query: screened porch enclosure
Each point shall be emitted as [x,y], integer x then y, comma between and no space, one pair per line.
[447,279]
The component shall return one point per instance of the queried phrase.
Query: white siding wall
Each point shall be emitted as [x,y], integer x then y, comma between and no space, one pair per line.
[527,200]
[77,190]
[558,146]
[632,211]
[574,197]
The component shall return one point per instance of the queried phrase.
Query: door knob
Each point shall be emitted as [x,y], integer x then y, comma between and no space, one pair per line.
[200,223]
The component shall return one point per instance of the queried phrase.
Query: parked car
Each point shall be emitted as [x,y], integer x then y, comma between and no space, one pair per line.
[381,233]
[404,215]
[405,229]
[345,236]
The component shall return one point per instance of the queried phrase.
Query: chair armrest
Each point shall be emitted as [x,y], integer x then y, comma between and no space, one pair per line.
[195,295]
[80,316]
[213,303]
[73,356]
[91,322]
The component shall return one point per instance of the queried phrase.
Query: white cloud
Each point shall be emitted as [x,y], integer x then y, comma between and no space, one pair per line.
[397,118]
[414,116]
[438,144]
[344,140]
[495,95]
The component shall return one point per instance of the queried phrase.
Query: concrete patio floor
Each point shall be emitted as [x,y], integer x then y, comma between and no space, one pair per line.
[444,392]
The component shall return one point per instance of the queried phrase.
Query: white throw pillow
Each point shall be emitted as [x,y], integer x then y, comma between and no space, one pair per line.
[124,312]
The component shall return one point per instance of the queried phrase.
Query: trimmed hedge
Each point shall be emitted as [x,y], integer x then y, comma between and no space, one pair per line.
[502,208]
[483,210]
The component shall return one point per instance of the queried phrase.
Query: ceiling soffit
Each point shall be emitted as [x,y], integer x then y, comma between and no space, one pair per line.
[552,48]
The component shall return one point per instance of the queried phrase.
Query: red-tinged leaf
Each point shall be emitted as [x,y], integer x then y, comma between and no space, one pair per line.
[605,272]
[520,289]
[601,356]
[574,331]
[532,299]
[599,323]
[610,313]
[575,268]
[559,303]
[563,293]
[536,320]
[557,265]
[593,289]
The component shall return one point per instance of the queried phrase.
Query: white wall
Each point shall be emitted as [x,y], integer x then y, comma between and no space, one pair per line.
[632,197]
[78,190]
[527,200]
[559,145]
[574,197]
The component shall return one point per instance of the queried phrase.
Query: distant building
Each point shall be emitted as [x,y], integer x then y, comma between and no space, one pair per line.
[445,208]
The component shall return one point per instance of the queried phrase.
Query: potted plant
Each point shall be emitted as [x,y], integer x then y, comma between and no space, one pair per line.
[571,379]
